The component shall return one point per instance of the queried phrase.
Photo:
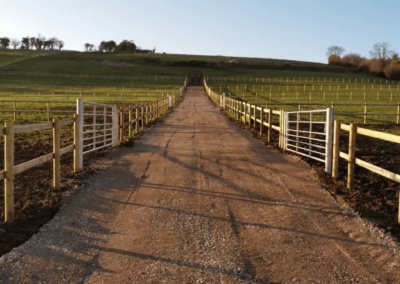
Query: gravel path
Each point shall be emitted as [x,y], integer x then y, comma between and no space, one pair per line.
[198,200]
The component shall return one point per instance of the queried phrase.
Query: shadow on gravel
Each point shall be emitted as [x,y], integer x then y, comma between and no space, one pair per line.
[235,274]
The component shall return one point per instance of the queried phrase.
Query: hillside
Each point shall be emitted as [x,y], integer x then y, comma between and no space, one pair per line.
[167,65]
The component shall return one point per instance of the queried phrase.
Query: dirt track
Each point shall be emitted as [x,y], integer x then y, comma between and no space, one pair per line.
[198,200]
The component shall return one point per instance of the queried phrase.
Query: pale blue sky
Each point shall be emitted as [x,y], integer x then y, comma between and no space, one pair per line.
[285,29]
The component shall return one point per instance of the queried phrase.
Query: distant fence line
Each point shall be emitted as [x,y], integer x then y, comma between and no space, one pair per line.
[20,59]
[301,79]
[312,96]
[120,96]
[364,114]
[109,99]
[79,88]
[217,98]
[150,78]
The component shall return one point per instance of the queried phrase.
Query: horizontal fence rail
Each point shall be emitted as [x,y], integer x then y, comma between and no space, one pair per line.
[95,125]
[300,79]
[255,115]
[150,78]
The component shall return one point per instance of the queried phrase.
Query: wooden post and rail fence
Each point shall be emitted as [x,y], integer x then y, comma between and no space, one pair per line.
[247,114]
[111,127]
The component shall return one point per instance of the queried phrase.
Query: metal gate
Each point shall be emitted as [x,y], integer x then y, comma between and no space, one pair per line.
[98,127]
[309,133]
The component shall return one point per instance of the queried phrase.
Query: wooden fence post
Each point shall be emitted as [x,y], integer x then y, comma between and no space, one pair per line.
[269,124]
[15,111]
[365,113]
[244,119]
[142,115]
[255,116]
[130,120]
[147,113]
[56,153]
[48,111]
[137,118]
[9,171]
[398,113]
[261,121]
[336,150]
[249,105]
[351,161]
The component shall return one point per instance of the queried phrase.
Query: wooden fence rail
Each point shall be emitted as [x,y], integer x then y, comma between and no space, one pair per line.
[294,79]
[48,103]
[247,114]
[149,78]
[250,114]
[140,113]
[10,169]
[350,156]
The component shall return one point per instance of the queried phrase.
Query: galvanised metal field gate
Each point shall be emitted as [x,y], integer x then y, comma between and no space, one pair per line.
[98,127]
[309,133]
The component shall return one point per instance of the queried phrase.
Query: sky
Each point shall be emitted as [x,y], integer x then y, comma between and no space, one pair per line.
[284,29]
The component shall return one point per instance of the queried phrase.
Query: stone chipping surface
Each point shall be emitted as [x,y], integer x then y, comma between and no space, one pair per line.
[198,200]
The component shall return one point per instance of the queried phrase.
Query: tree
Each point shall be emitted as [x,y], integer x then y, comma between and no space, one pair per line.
[108,46]
[126,46]
[25,42]
[15,43]
[381,51]
[154,49]
[32,41]
[60,44]
[39,41]
[5,42]
[87,46]
[335,50]
[52,42]
[351,59]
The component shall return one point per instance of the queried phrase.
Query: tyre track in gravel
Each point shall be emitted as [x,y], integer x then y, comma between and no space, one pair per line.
[198,200]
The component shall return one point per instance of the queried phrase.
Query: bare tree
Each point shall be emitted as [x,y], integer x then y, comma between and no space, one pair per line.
[381,51]
[53,41]
[60,45]
[15,43]
[32,42]
[335,50]
[39,41]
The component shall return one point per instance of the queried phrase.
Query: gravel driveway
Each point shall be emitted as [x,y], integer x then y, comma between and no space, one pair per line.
[198,200]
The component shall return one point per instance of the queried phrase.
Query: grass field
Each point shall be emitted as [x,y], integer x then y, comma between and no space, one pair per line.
[308,87]
[152,64]
[338,92]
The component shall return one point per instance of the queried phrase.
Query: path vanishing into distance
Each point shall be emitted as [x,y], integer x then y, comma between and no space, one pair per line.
[199,200]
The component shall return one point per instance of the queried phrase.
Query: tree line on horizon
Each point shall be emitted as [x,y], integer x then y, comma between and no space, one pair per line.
[125,46]
[383,61]
[39,43]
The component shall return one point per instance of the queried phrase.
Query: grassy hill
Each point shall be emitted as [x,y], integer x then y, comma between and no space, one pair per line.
[166,64]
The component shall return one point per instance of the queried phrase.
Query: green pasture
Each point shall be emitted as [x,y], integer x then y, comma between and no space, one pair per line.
[156,65]
[346,96]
